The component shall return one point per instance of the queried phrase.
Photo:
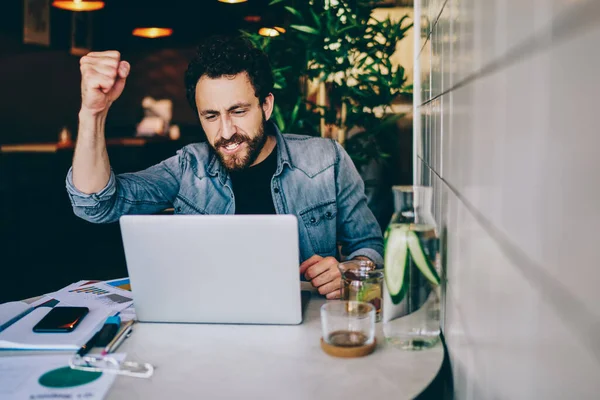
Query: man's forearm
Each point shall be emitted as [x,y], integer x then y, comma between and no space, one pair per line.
[91,167]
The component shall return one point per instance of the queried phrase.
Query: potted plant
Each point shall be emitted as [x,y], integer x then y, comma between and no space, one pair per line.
[334,77]
[334,74]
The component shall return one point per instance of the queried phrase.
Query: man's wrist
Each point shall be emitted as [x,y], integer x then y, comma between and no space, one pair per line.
[370,254]
[87,113]
[91,123]
[369,262]
[365,258]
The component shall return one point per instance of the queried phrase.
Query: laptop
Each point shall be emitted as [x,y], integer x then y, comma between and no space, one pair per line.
[226,269]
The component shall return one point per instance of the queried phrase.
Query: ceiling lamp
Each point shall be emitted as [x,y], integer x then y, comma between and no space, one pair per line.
[232,1]
[152,32]
[78,5]
[269,32]
[252,18]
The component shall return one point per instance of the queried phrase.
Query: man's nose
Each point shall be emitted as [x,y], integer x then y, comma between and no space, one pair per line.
[228,129]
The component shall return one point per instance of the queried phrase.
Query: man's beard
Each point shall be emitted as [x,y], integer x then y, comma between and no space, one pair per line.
[242,160]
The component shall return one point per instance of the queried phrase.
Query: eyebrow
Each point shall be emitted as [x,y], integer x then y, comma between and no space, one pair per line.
[231,108]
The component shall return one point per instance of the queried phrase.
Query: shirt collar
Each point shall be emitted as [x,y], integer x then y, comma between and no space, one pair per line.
[283,153]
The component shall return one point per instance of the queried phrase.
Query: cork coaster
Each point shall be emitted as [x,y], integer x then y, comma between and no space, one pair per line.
[348,352]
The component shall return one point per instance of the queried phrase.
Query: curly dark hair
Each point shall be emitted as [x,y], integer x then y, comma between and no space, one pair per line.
[226,55]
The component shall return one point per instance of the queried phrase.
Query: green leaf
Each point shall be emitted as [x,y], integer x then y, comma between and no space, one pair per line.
[316,18]
[305,29]
[361,61]
[401,21]
[295,112]
[294,12]
[408,89]
[399,78]
[279,70]
[275,2]
[279,118]
[347,28]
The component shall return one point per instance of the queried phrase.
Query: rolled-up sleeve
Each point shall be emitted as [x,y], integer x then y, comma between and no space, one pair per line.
[371,254]
[144,192]
[80,199]
[358,229]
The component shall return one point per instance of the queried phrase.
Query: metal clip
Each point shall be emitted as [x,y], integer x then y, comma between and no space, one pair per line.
[112,366]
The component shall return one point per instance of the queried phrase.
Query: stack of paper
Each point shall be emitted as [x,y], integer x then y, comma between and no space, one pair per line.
[96,295]
[20,335]
[12,312]
[124,284]
[18,319]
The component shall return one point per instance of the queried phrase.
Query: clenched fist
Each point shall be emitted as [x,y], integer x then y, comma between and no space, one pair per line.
[103,77]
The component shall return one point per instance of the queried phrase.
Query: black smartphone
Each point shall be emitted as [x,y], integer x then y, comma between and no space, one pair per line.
[61,319]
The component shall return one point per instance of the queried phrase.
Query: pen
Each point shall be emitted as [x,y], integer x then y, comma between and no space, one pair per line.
[116,342]
[107,332]
[88,346]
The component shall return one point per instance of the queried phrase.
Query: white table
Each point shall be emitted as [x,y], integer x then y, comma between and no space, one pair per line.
[267,362]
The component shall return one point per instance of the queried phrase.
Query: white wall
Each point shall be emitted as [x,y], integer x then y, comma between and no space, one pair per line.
[509,136]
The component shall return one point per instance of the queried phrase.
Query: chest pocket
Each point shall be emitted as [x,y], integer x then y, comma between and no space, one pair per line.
[320,224]
[181,205]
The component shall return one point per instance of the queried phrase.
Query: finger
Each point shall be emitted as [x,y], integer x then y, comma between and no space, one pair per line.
[104,54]
[101,69]
[89,72]
[94,80]
[109,62]
[336,294]
[309,262]
[326,277]
[320,267]
[119,86]
[331,287]
[124,69]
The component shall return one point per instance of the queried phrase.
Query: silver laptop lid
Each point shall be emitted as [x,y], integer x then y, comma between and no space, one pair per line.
[214,268]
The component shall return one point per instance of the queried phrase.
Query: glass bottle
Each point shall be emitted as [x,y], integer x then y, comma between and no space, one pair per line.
[362,282]
[411,298]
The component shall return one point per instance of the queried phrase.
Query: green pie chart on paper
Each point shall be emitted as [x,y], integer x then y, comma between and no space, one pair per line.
[66,377]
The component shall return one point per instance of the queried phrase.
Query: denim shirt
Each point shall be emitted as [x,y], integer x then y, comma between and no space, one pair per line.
[315,180]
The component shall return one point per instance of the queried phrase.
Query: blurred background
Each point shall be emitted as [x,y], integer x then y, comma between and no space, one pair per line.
[368,109]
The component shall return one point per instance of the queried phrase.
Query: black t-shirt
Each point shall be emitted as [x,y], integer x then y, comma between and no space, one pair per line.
[252,187]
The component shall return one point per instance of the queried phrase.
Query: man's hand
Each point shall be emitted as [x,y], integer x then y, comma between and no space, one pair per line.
[323,274]
[103,77]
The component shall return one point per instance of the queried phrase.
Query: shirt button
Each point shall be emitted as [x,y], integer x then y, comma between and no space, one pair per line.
[328,214]
[313,220]
[276,190]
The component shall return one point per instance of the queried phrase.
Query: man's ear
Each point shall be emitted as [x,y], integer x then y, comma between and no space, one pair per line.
[267,105]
